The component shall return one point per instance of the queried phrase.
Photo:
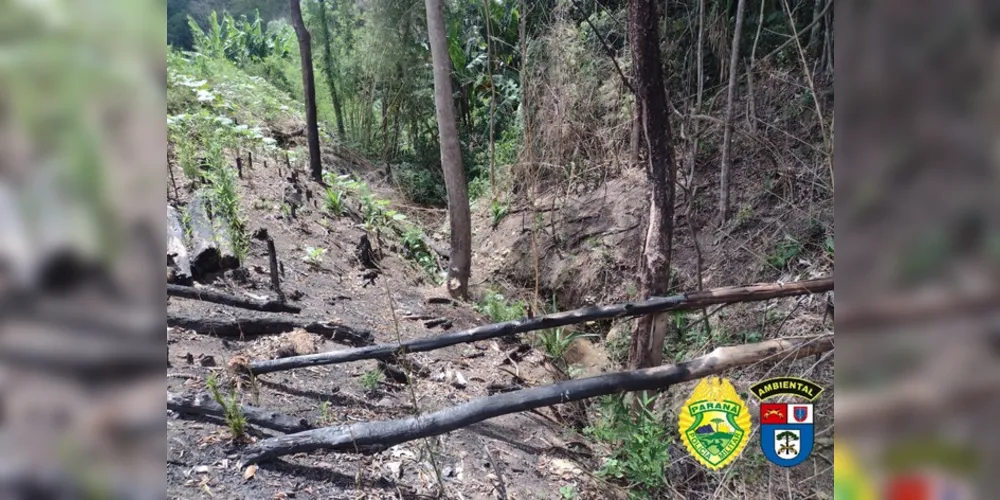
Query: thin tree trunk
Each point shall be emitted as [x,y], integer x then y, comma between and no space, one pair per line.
[493,95]
[647,342]
[751,100]
[727,135]
[308,89]
[328,68]
[814,46]
[451,157]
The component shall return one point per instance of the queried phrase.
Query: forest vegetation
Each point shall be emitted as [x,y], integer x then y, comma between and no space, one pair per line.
[501,160]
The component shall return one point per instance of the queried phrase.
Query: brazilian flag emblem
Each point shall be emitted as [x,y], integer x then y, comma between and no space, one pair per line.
[714,423]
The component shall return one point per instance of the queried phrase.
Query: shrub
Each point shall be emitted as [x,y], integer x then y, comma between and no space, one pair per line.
[420,185]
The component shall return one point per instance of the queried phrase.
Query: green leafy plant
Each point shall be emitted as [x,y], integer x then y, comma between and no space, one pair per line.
[233,412]
[371,379]
[498,211]
[641,444]
[568,492]
[325,414]
[556,342]
[416,250]
[786,250]
[314,256]
[334,201]
[496,307]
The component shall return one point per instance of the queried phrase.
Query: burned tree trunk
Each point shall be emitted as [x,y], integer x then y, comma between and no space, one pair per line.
[683,302]
[212,249]
[308,89]
[203,404]
[229,300]
[178,262]
[654,274]
[250,327]
[374,437]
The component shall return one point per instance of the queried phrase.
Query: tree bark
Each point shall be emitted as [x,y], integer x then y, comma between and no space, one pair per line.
[308,89]
[814,47]
[250,327]
[683,302]
[727,134]
[177,254]
[460,261]
[636,138]
[374,437]
[328,68]
[218,297]
[204,404]
[654,276]
[212,248]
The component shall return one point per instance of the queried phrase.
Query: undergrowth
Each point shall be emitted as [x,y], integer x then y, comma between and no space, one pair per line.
[496,307]
[641,444]
[233,413]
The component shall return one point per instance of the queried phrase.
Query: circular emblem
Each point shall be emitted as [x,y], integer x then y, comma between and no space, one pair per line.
[714,423]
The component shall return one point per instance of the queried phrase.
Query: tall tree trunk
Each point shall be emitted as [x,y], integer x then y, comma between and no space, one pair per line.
[636,132]
[451,157]
[309,89]
[815,43]
[647,342]
[328,68]
[487,14]
[727,134]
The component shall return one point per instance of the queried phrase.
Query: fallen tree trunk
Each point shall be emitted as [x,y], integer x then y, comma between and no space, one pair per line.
[204,404]
[206,295]
[373,437]
[694,300]
[177,254]
[247,327]
[212,250]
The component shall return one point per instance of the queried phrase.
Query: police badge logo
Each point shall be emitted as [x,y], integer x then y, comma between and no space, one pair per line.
[714,423]
[786,429]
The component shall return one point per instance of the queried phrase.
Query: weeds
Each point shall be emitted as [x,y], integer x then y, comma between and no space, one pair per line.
[416,250]
[314,256]
[785,251]
[498,211]
[568,492]
[334,201]
[642,444]
[371,379]
[233,413]
[556,342]
[495,306]
[325,415]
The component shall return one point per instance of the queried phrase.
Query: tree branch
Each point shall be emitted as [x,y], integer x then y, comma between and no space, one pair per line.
[373,437]
[689,301]
[203,404]
[607,49]
[218,297]
[240,327]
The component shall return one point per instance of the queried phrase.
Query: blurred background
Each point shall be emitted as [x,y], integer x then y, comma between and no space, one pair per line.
[82,148]
[918,365]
